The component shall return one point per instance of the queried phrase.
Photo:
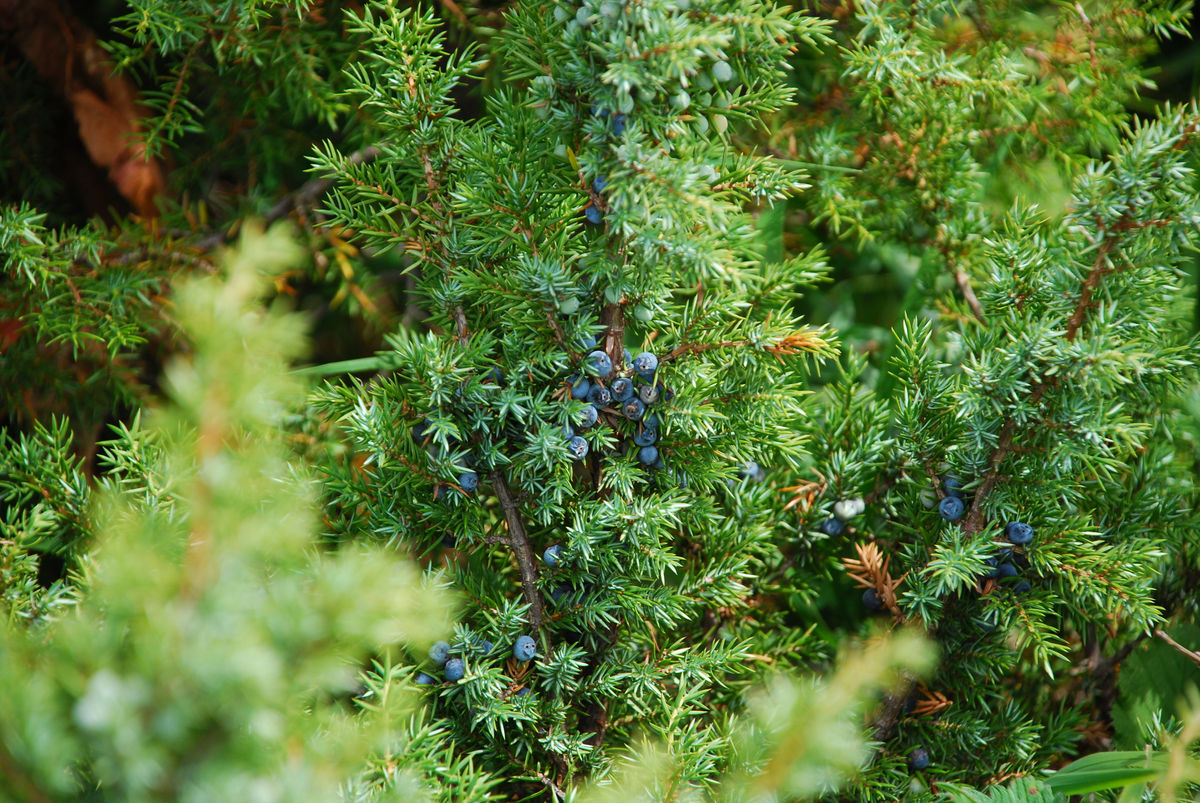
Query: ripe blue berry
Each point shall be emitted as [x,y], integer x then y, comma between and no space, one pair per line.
[486,646]
[578,447]
[1005,571]
[645,363]
[552,554]
[599,396]
[627,357]
[439,652]
[618,124]
[524,692]
[994,566]
[525,648]
[468,481]
[652,422]
[831,526]
[649,394]
[580,387]
[633,409]
[597,363]
[455,669]
[560,591]
[1018,532]
[952,486]
[425,680]
[568,431]
[593,215]
[648,455]
[871,600]
[1022,587]
[421,429]
[496,376]
[951,508]
[449,541]
[588,416]
[599,183]
[621,390]
[646,437]
[918,759]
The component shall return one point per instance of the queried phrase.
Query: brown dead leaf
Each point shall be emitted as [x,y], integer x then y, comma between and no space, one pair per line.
[67,54]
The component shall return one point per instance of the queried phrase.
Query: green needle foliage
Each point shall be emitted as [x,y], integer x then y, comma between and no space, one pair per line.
[498,211]
[645,622]
[1035,376]
[213,651]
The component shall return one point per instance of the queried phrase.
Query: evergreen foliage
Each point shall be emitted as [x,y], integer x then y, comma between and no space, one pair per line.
[677,524]
[212,651]
[645,622]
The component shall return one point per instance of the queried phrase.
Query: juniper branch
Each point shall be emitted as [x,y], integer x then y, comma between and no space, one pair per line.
[519,541]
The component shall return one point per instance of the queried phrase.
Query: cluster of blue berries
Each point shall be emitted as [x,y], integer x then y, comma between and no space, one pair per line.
[843,511]
[1005,566]
[454,668]
[1002,567]
[631,397]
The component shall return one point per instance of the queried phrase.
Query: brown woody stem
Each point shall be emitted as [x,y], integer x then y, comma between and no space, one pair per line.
[519,541]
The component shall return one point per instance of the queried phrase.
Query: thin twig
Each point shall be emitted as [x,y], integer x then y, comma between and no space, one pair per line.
[1100,268]
[1190,654]
[888,713]
[1004,442]
[456,12]
[460,325]
[519,541]
[554,789]
[964,287]
[615,341]
[804,340]
[302,197]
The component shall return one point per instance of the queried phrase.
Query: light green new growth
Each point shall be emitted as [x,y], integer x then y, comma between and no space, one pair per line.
[214,652]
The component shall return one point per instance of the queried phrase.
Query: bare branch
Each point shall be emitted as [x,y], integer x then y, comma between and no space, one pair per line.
[964,287]
[1191,655]
[305,196]
[519,541]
